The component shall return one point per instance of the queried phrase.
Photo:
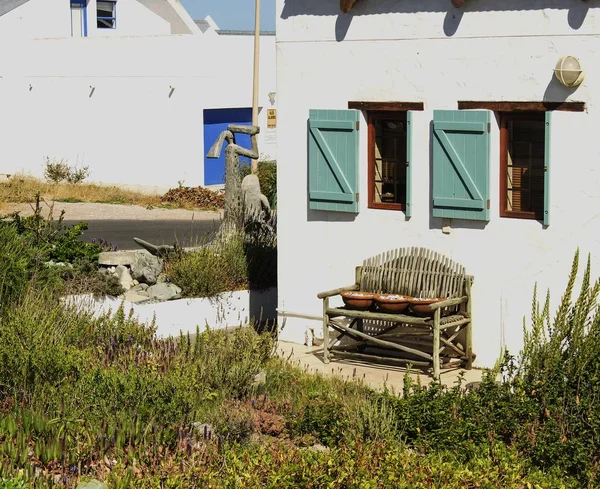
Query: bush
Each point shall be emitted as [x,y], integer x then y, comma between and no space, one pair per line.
[54,240]
[60,171]
[224,265]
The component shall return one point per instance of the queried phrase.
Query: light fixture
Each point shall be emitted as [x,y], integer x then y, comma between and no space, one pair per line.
[568,71]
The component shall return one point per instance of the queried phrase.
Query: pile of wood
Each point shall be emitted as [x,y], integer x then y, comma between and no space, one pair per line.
[195,197]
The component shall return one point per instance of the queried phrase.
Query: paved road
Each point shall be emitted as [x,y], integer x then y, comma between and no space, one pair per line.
[121,232]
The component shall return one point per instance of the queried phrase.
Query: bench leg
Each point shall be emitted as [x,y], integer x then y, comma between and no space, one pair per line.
[325,330]
[469,341]
[436,344]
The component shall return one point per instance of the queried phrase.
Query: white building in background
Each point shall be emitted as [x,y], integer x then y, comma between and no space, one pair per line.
[513,199]
[130,88]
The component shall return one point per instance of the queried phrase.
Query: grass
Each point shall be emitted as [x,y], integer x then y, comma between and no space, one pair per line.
[22,189]
[86,396]
[224,265]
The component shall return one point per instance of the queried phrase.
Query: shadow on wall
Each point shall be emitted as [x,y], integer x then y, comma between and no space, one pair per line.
[577,11]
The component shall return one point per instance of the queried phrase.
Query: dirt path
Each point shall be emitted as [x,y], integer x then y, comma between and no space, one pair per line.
[91,212]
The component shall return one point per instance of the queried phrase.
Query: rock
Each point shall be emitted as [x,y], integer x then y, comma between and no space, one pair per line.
[140,288]
[134,297]
[92,484]
[146,268]
[317,447]
[203,430]
[124,277]
[161,279]
[164,292]
[116,258]
[259,378]
[135,282]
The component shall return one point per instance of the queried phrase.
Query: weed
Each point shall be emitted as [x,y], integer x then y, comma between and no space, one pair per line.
[59,171]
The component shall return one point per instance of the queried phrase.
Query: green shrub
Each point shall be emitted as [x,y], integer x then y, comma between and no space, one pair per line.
[60,171]
[222,266]
[559,372]
[54,240]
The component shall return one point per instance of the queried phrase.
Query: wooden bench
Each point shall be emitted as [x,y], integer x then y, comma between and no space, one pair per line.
[441,340]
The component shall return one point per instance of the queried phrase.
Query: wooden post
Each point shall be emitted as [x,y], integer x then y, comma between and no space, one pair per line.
[436,344]
[325,330]
[256,73]
[469,332]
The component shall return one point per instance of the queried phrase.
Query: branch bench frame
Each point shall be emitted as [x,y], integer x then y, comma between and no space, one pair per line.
[416,272]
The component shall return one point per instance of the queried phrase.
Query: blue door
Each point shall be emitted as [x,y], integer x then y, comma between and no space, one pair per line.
[215,122]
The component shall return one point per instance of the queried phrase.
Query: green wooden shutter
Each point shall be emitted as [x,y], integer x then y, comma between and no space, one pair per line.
[333,160]
[547,171]
[461,169]
[408,209]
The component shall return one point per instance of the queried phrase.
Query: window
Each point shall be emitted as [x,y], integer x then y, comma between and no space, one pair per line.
[78,18]
[387,159]
[522,164]
[106,15]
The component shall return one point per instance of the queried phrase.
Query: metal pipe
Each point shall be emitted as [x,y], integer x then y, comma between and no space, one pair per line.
[254,164]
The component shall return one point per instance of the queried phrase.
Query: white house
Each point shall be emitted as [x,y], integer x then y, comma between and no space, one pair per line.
[130,88]
[466,143]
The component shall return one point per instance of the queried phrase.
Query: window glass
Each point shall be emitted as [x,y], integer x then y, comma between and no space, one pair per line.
[387,159]
[106,15]
[523,153]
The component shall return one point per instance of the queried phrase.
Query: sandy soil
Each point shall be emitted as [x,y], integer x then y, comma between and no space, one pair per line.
[90,212]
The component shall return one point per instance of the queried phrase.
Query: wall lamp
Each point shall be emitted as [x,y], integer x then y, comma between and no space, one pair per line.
[569,72]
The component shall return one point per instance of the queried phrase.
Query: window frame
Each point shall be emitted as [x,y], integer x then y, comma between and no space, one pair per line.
[113,18]
[82,4]
[504,117]
[373,115]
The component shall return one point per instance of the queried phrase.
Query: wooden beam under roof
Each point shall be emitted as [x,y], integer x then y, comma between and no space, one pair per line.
[346,5]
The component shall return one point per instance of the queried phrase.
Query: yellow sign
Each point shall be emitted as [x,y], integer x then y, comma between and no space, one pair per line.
[271,117]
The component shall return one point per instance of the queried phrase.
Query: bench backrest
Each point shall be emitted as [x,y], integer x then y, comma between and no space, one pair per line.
[417,272]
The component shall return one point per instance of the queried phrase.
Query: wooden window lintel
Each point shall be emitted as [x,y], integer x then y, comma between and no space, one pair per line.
[522,106]
[385,106]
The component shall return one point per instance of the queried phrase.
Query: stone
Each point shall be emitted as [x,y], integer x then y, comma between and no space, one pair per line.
[124,277]
[115,258]
[135,282]
[256,205]
[203,430]
[164,292]
[146,268]
[140,288]
[259,378]
[317,447]
[92,484]
[135,297]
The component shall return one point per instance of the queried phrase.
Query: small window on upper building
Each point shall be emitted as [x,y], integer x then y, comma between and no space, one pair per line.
[387,159]
[106,15]
[78,18]
[522,164]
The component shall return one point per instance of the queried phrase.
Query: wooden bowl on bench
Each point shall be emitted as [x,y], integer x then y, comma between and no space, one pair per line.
[355,299]
[420,306]
[392,303]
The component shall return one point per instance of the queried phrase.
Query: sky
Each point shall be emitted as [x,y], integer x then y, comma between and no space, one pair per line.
[233,14]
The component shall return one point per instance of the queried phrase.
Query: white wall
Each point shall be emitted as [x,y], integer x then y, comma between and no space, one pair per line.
[130,129]
[437,55]
[39,19]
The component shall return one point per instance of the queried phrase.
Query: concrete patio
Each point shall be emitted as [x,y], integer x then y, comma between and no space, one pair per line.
[377,376]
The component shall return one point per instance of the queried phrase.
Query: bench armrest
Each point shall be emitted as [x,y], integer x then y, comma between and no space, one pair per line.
[448,303]
[333,292]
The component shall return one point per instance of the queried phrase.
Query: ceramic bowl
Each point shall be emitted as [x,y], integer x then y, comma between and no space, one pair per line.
[421,306]
[355,299]
[392,303]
